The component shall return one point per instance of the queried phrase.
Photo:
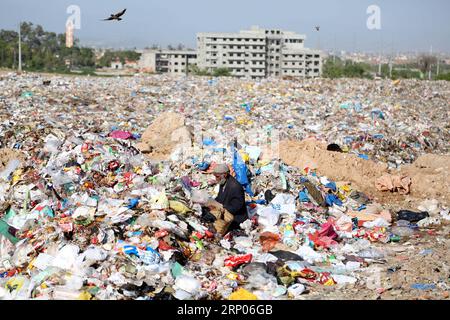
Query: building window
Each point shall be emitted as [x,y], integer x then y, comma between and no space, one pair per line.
[176,70]
[176,63]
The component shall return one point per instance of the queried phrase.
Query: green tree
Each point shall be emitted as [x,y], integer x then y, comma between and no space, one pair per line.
[221,72]
[445,76]
[41,50]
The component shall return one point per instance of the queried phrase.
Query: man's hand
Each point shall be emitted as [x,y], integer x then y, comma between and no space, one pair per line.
[213,204]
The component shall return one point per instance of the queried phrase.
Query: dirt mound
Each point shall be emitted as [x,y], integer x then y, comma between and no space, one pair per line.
[6,155]
[336,166]
[161,138]
[429,173]
[430,177]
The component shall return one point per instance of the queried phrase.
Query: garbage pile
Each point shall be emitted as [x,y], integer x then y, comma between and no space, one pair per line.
[88,212]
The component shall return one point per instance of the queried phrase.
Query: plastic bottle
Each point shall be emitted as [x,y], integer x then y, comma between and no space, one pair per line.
[402,231]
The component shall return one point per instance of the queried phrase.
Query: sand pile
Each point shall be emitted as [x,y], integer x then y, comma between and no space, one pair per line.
[165,133]
[429,173]
[6,155]
[430,177]
[336,166]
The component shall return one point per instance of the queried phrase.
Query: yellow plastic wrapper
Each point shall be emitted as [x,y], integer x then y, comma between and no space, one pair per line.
[242,294]
[178,207]
[15,283]
[245,157]
[263,163]
[233,276]
[85,296]
[345,149]
[31,264]
[329,283]
[345,188]
[17,176]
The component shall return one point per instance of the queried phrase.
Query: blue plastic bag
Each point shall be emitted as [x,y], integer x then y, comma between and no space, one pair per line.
[132,203]
[331,199]
[363,156]
[209,142]
[303,196]
[240,169]
[331,185]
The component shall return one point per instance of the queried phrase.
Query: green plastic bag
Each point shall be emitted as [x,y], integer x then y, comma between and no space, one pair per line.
[5,230]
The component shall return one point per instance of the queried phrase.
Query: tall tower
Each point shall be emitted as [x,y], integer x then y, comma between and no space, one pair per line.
[69,34]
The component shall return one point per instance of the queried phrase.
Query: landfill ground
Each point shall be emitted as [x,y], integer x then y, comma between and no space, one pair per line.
[98,201]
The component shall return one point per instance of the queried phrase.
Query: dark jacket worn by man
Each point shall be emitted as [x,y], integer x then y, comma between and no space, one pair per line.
[231,196]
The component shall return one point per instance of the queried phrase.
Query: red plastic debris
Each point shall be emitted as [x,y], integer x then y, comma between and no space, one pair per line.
[120,135]
[164,246]
[161,233]
[238,260]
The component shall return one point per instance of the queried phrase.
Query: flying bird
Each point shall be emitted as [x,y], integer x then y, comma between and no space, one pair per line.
[116,16]
[318,28]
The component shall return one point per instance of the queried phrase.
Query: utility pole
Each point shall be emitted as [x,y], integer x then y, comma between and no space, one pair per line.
[429,72]
[379,66]
[20,50]
[380,55]
[437,71]
[390,68]
[335,50]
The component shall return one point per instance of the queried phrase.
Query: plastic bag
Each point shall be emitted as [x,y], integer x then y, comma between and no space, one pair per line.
[268,216]
[10,168]
[242,294]
[240,169]
[268,240]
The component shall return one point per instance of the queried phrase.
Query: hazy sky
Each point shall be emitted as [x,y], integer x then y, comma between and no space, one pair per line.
[406,25]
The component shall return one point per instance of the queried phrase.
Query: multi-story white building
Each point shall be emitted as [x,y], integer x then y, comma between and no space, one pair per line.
[167,61]
[258,53]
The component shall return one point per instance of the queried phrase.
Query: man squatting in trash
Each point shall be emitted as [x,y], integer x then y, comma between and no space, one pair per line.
[231,195]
